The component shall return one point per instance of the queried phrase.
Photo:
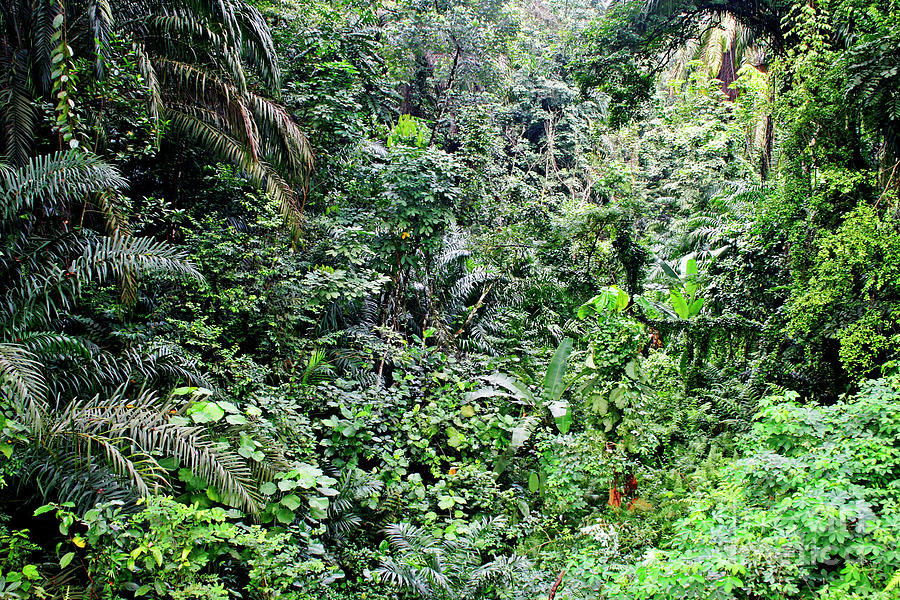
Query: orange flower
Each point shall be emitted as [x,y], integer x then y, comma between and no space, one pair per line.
[453,470]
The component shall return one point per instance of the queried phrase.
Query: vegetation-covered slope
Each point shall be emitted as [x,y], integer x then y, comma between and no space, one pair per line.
[456,299]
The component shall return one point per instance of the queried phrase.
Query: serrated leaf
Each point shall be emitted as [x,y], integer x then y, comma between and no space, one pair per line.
[617,397]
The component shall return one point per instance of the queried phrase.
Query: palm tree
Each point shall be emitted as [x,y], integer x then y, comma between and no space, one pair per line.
[458,296]
[763,19]
[108,448]
[429,567]
[85,429]
[723,47]
[207,66]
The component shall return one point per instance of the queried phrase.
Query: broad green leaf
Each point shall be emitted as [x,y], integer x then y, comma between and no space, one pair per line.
[284,515]
[291,501]
[515,387]
[621,300]
[617,397]
[669,271]
[317,502]
[621,399]
[631,370]
[696,306]
[228,407]
[553,381]
[599,404]
[308,475]
[326,480]
[521,433]
[286,485]
[454,439]
[689,266]
[206,412]
[561,414]
[236,420]
[678,303]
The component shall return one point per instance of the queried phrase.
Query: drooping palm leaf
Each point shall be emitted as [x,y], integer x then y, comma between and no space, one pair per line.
[123,435]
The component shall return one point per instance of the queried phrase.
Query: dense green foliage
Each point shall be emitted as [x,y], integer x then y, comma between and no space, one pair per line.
[464,299]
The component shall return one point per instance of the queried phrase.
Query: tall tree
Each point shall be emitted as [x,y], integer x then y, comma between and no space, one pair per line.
[208,67]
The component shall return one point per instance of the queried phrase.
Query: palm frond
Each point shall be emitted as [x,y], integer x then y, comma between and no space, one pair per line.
[123,435]
[22,379]
[50,181]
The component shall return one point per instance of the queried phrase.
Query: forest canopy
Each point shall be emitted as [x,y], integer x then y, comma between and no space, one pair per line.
[450,299]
